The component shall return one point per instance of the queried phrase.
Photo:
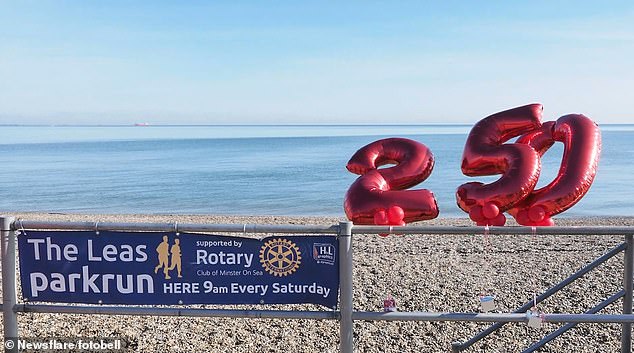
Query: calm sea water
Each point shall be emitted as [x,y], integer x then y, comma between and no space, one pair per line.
[248,170]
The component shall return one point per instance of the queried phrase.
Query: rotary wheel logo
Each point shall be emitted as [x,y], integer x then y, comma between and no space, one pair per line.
[280,257]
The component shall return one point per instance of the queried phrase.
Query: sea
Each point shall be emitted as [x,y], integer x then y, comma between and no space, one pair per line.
[293,170]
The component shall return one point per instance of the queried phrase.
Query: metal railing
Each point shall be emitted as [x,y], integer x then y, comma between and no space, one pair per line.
[346,314]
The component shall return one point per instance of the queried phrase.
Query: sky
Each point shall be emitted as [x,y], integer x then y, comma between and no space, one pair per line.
[305,62]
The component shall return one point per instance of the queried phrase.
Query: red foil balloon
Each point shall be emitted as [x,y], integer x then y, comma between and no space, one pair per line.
[486,153]
[378,196]
[582,146]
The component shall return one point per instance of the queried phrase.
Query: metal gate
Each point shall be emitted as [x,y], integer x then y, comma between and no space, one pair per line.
[345,314]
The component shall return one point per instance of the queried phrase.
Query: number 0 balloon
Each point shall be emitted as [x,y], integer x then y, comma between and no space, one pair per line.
[582,146]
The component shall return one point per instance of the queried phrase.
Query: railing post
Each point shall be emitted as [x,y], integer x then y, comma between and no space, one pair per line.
[628,286]
[9,297]
[346,340]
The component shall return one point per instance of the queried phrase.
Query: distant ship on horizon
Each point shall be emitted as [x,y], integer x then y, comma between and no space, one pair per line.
[141,124]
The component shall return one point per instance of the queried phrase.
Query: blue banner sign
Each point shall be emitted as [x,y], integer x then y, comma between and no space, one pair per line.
[171,268]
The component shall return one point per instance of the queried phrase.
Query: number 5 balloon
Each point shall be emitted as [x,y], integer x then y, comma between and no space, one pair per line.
[486,153]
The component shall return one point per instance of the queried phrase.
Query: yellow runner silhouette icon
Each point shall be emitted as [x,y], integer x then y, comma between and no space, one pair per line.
[163,250]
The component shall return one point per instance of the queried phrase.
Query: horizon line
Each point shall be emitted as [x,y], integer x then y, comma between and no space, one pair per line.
[147,125]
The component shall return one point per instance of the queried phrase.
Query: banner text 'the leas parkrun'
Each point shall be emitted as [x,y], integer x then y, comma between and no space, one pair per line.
[85,281]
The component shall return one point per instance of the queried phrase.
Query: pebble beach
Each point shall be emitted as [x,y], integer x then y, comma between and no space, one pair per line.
[421,272]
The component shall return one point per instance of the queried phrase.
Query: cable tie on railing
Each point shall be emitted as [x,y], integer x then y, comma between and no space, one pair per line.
[22,230]
[244,229]
[97,227]
[176,227]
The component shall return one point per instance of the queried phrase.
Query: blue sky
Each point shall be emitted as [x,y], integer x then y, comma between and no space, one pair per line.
[93,62]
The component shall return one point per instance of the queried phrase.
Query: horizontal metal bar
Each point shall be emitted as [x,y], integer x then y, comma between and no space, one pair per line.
[478,317]
[176,227]
[432,316]
[319,229]
[194,312]
[510,230]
